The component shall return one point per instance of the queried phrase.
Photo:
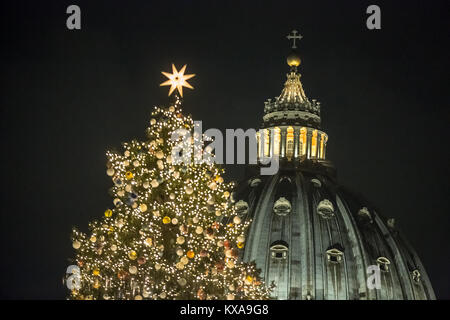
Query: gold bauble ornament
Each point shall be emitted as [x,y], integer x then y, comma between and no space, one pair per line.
[143,207]
[230,263]
[156,213]
[146,185]
[171,108]
[121,193]
[136,163]
[218,213]
[159,154]
[166,220]
[190,254]
[160,164]
[113,247]
[241,239]
[176,174]
[180,252]
[226,194]
[157,266]
[96,272]
[210,201]
[169,159]
[128,188]
[180,265]
[138,297]
[108,213]
[152,121]
[172,196]
[240,245]
[248,280]
[129,175]
[237,220]
[148,241]
[132,254]
[110,172]
[93,239]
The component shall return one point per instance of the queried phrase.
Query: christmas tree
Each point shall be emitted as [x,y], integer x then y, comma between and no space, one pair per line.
[172,232]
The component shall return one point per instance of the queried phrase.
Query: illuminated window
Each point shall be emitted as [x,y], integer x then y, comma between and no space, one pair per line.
[322,143]
[276,141]
[302,147]
[314,144]
[258,143]
[266,143]
[290,143]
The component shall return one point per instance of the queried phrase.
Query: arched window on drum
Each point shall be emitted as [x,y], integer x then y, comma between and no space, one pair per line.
[290,143]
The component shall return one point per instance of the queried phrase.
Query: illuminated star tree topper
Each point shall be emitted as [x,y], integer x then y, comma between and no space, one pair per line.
[177,80]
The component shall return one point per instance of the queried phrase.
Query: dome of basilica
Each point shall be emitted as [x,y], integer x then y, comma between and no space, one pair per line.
[310,236]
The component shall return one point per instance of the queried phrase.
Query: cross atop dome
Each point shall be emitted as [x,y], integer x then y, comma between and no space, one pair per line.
[294,36]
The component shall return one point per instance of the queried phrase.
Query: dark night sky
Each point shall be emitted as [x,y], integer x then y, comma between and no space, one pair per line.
[68,96]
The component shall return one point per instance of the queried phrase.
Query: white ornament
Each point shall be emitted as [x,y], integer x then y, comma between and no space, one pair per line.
[76,244]
[199,230]
[146,185]
[110,172]
[182,282]
[189,189]
[136,163]
[132,269]
[180,240]
[154,183]
[236,220]
[159,154]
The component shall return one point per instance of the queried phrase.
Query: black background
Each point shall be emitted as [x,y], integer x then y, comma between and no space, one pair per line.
[68,96]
